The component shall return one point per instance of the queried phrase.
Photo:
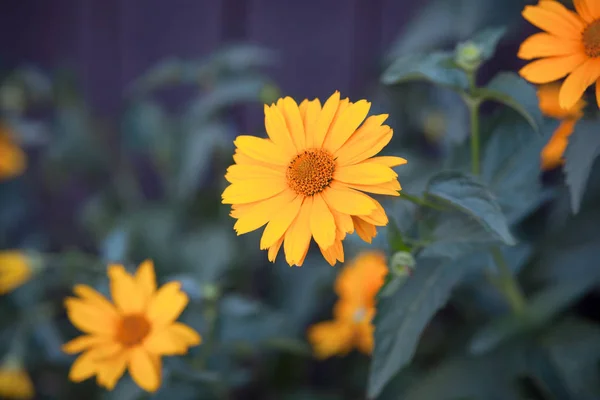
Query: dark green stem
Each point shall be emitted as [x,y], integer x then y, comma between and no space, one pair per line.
[508,284]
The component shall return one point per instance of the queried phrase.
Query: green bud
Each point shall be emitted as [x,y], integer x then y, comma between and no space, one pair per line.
[269,93]
[468,56]
[210,292]
[402,264]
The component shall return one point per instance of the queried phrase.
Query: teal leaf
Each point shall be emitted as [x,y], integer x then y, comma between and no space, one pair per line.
[513,91]
[582,151]
[510,164]
[402,316]
[438,68]
[472,198]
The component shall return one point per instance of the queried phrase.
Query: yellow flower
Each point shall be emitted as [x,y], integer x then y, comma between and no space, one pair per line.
[133,333]
[351,327]
[12,158]
[15,270]
[552,153]
[570,46]
[14,380]
[307,179]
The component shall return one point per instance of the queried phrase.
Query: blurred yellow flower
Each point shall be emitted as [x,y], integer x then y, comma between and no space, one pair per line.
[12,158]
[15,270]
[133,333]
[552,153]
[307,179]
[14,380]
[351,327]
[570,46]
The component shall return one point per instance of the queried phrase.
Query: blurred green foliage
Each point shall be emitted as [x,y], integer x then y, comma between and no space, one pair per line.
[494,291]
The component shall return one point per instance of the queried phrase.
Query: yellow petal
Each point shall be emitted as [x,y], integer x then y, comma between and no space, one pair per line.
[88,318]
[593,7]
[261,149]
[364,337]
[388,161]
[126,293]
[310,110]
[278,131]
[84,342]
[578,81]
[364,230]
[598,93]
[258,214]
[91,296]
[558,20]
[365,174]
[280,222]
[291,113]
[552,153]
[109,371]
[274,250]
[325,117]
[322,222]
[377,217]
[331,338]
[252,190]
[186,334]
[343,222]
[372,143]
[546,45]
[144,370]
[391,188]
[83,368]
[171,340]
[167,304]
[551,68]
[347,123]
[146,279]
[251,172]
[582,9]
[298,235]
[348,201]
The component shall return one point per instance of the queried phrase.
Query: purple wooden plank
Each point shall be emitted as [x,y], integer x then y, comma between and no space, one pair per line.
[395,15]
[155,29]
[367,54]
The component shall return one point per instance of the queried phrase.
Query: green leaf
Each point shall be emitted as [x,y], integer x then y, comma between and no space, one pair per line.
[582,151]
[513,91]
[510,164]
[541,308]
[402,316]
[438,68]
[487,40]
[472,198]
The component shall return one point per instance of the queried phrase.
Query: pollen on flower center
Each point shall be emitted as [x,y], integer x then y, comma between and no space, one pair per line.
[310,172]
[132,330]
[591,39]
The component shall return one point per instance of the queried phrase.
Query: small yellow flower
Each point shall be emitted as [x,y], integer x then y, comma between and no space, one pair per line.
[133,333]
[307,180]
[15,270]
[552,153]
[570,46]
[351,327]
[12,158]
[14,380]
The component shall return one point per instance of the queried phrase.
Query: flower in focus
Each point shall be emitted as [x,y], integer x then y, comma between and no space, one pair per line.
[14,380]
[12,158]
[552,153]
[351,327]
[15,270]
[569,46]
[307,180]
[132,333]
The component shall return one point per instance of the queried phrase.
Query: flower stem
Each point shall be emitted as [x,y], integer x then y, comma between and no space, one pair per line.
[419,201]
[508,284]
[473,106]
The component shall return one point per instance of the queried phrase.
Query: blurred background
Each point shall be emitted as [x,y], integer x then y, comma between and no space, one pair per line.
[127,110]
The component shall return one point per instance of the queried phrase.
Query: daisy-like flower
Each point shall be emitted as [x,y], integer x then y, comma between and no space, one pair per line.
[15,269]
[552,153]
[14,380]
[569,46]
[351,327]
[307,180]
[133,333]
[12,157]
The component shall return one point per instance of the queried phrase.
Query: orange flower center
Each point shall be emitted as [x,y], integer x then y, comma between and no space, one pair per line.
[132,330]
[591,39]
[310,172]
